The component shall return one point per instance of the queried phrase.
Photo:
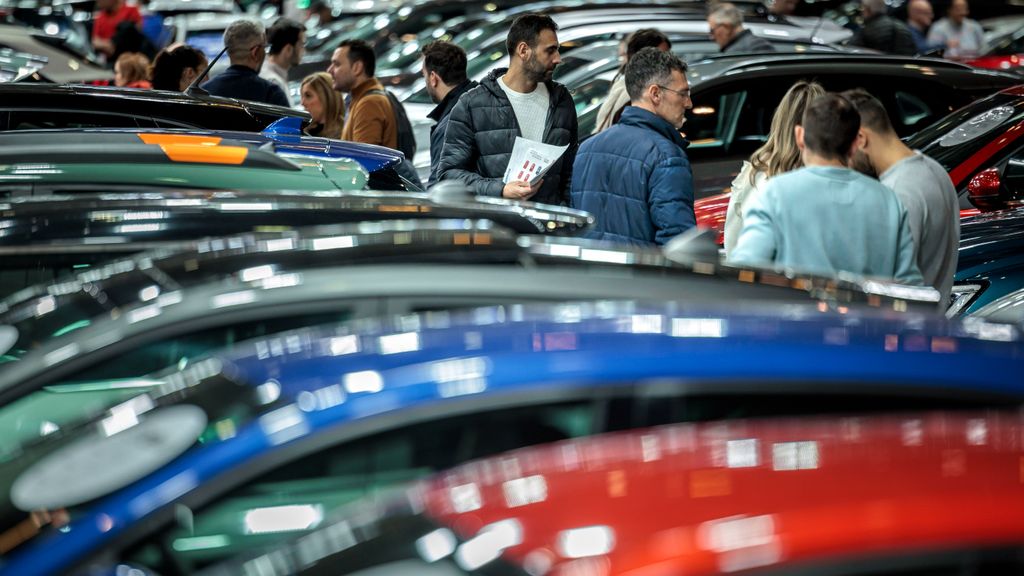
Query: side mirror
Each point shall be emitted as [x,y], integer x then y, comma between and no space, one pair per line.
[997,188]
[985,190]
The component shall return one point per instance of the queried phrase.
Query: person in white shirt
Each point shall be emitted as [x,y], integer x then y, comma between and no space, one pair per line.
[287,40]
[519,101]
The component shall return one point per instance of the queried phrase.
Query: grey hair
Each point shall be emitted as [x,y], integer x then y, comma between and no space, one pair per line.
[241,36]
[650,66]
[726,13]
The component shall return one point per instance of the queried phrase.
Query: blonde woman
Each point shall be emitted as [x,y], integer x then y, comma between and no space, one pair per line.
[323,103]
[779,154]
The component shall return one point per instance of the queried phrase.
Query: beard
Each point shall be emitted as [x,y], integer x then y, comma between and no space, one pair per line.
[535,71]
[862,164]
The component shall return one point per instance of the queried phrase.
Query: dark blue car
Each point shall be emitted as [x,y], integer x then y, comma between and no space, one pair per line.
[237,451]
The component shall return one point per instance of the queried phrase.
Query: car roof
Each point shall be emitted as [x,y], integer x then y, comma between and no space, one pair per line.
[371,157]
[380,260]
[786,495]
[421,366]
[197,160]
[102,97]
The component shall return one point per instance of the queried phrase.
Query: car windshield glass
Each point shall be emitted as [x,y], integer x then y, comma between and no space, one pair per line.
[960,135]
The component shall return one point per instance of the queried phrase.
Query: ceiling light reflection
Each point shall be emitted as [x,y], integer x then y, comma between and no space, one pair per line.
[585,542]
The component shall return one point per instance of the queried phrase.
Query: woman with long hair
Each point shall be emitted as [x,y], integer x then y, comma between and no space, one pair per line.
[175,67]
[779,154]
[323,103]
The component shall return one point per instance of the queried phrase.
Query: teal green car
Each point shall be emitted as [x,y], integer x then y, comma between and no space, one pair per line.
[182,160]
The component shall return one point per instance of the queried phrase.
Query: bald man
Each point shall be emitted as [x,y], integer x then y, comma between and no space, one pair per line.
[882,32]
[919,20]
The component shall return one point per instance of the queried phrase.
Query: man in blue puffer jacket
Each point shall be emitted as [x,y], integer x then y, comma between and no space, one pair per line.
[634,177]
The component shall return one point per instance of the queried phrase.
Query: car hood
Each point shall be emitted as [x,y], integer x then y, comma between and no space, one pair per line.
[990,240]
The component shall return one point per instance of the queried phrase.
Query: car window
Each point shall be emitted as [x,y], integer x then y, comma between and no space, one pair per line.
[590,93]
[36,119]
[297,494]
[911,110]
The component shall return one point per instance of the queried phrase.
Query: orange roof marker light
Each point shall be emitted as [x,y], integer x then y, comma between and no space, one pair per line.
[192,139]
[205,154]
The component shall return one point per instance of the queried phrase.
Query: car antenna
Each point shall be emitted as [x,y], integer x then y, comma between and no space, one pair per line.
[193,88]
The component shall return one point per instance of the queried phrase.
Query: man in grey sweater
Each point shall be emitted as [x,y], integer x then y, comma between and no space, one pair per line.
[923,187]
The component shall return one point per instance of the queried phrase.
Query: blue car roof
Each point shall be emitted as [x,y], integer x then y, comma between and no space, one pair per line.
[317,381]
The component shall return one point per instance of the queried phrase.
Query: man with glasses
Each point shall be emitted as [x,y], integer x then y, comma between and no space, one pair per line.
[246,43]
[635,177]
[726,23]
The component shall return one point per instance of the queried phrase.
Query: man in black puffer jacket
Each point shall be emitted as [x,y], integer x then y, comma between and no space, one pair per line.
[520,101]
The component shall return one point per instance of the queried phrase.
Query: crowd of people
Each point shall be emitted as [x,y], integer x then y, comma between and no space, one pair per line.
[832,190]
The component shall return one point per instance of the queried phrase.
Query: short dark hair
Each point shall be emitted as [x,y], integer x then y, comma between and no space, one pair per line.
[872,113]
[650,66]
[361,51]
[284,32]
[830,126]
[645,38]
[447,60]
[527,28]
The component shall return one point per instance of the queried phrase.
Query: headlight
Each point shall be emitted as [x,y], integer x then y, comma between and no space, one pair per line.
[962,296]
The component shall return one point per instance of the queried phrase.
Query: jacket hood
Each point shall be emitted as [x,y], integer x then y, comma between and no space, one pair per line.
[634,116]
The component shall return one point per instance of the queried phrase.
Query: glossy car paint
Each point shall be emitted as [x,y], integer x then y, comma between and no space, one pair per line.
[711,498]
[78,106]
[991,255]
[151,159]
[512,352]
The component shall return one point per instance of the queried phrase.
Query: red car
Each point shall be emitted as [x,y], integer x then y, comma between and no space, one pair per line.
[976,144]
[934,494]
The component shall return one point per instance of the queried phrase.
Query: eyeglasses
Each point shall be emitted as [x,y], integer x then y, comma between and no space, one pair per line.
[684,94]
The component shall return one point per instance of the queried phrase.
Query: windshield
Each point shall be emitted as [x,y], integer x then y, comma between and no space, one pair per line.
[954,139]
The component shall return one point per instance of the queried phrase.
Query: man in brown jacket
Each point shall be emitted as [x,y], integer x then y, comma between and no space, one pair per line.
[370,118]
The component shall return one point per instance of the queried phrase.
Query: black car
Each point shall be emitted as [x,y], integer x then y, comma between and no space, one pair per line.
[734,99]
[47,236]
[41,105]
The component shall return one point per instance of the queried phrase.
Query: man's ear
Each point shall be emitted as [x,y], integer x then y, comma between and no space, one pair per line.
[357,67]
[862,140]
[523,51]
[798,131]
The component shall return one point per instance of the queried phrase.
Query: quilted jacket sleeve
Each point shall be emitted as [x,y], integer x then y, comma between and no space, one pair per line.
[569,158]
[671,198]
[459,153]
